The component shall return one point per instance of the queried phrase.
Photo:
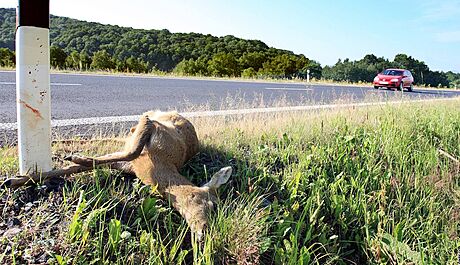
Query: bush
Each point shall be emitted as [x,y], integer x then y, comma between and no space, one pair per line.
[102,61]
[249,73]
[7,58]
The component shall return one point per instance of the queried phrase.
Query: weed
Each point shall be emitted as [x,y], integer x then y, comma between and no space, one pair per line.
[373,185]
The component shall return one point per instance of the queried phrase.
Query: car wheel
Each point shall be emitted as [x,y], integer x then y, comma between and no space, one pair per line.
[401,86]
[376,87]
[411,88]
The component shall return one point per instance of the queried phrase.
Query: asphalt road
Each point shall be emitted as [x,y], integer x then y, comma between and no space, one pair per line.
[82,96]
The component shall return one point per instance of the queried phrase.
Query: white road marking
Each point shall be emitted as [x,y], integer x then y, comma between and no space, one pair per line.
[288,88]
[65,84]
[197,114]
[53,84]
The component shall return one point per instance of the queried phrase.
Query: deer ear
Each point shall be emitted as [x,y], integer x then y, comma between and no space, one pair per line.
[220,178]
[132,129]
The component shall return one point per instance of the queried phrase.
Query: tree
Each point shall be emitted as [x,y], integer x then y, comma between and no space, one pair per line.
[192,67]
[223,64]
[436,79]
[454,79]
[337,72]
[315,69]
[102,60]
[249,73]
[57,57]
[201,66]
[120,65]
[73,60]
[370,59]
[136,65]
[185,67]
[85,60]
[418,68]
[7,58]
[252,60]
[284,65]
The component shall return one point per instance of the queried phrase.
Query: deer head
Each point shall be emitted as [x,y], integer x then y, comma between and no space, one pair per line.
[194,203]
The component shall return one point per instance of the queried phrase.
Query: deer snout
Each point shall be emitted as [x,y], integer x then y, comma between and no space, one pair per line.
[194,204]
[198,228]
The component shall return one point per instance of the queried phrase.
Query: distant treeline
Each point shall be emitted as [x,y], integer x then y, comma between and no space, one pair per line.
[85,45]
[366,69]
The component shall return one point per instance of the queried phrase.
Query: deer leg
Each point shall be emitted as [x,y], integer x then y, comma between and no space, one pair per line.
[133,149]
[137,142]
[123,166]
[37,177]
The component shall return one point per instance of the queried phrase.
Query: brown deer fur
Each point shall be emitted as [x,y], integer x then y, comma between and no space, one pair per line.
[157,148]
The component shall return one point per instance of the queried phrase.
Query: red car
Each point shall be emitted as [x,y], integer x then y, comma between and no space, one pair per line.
[394,78]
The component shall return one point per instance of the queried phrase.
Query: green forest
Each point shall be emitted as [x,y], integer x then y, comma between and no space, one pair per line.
[82,45]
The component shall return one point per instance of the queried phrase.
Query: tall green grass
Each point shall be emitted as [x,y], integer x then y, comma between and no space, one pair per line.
[358,186]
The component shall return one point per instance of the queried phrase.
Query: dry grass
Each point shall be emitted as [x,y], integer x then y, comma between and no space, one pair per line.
[342,186]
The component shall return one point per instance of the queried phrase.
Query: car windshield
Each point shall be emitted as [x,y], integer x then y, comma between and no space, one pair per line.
[393,72]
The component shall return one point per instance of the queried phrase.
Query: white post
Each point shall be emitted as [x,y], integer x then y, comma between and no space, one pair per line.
[308,75]
[33,86]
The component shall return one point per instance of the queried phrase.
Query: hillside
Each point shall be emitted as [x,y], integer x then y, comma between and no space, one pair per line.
[82,45]
[162,47]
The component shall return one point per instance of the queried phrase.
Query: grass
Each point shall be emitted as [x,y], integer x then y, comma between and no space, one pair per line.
[373,185]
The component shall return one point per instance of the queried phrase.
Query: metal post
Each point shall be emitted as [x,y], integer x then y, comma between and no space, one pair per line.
[33,86]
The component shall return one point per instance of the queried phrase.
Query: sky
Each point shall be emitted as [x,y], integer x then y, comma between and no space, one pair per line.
[326,30]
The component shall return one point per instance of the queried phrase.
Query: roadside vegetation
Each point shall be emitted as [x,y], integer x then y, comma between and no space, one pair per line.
[88,46]
[373,185]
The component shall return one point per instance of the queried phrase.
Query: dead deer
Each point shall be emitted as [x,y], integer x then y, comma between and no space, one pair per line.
[156,149]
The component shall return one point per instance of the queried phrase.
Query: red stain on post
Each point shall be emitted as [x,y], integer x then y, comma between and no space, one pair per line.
[35,111]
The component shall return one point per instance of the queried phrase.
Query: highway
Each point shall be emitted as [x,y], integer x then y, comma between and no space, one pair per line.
[82,96]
